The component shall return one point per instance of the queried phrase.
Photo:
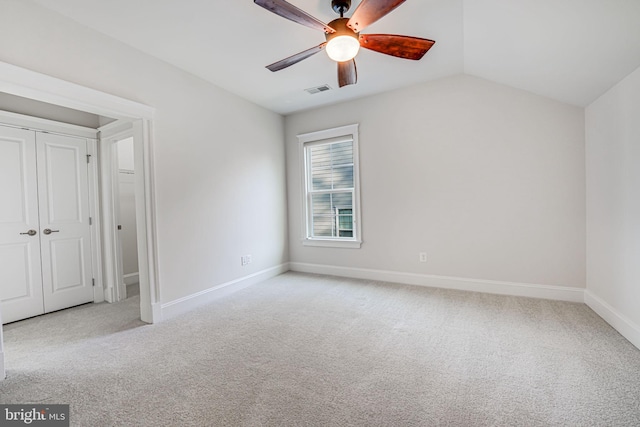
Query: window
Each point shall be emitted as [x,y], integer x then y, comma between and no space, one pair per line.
[344,222]
[331,189]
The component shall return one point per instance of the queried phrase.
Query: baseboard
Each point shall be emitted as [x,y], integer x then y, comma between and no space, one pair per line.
[185,304]
[130,279]
[560,293]
[2,371]
[621,323]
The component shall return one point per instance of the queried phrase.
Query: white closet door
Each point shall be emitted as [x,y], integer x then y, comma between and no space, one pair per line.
[64,221]
[20,271]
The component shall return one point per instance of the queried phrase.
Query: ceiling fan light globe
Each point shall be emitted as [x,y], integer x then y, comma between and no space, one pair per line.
[343,48]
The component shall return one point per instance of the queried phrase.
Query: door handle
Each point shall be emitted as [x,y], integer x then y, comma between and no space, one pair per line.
[49,231]
[31,232]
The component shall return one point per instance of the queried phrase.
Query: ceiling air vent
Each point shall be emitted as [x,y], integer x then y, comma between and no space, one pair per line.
[318,89]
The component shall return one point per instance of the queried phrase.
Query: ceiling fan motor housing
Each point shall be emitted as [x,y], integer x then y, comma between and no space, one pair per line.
[340,6]
[340,25]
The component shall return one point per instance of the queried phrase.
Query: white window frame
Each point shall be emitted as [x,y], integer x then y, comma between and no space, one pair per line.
[319,137]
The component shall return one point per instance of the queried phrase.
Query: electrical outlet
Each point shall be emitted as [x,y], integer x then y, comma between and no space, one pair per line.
[423,257]
[245,259]
[249,259]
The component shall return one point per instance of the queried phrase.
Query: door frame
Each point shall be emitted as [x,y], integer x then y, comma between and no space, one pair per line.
[109,135]
[25,83]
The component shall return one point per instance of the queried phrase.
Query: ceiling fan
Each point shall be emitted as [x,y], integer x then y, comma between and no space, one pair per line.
[343,38]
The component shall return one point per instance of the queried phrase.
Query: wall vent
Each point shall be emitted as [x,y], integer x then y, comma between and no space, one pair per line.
[318,89]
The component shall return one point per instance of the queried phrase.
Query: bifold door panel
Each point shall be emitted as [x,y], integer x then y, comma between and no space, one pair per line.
[45,246]
[64,211]
[20,266]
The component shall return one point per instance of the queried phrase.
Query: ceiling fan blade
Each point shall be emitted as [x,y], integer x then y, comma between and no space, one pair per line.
[294,59]
[401,46]
[369,11]
[292,13]
[347,73]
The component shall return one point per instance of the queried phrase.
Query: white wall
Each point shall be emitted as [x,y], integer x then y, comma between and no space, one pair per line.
[488,180]
[125,154]
[613,206]
[219,159]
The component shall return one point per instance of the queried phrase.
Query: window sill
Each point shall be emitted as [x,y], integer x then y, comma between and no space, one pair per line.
[346,244]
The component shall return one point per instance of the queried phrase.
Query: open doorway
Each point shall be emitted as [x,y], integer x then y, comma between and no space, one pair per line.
[121,208]
[125,200]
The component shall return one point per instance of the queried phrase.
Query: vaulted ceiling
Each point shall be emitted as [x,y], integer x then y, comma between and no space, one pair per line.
[569,50]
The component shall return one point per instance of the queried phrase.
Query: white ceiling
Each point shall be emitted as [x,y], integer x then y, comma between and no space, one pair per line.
[569,50]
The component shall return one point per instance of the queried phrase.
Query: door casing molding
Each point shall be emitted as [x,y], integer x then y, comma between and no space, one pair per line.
[109,136]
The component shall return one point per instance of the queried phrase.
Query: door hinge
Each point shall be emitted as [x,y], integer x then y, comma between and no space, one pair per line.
[88,158]
[90,221]
[93,282]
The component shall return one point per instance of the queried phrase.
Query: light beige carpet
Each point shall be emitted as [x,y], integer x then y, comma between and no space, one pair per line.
[304,350]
